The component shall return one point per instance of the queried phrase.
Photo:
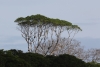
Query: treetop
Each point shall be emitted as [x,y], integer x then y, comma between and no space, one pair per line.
[41,19]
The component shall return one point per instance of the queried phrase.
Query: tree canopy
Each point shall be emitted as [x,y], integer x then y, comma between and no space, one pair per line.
[40,19]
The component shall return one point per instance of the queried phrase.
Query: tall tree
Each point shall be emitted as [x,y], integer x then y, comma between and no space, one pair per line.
[37,30]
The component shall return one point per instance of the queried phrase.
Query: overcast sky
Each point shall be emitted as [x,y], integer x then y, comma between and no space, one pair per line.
[85,13]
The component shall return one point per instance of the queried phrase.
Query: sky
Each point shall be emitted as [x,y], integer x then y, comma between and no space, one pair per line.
[84,13]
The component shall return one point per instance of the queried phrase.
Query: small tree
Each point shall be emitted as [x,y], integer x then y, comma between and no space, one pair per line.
[37,30]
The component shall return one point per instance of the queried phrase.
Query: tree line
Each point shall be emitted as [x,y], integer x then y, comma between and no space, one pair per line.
[17,58]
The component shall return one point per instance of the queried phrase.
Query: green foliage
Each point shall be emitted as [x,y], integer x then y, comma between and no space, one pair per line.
[34,59]
[66,61]
[9,59]
[93,64]
[40,19]
[16,62]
